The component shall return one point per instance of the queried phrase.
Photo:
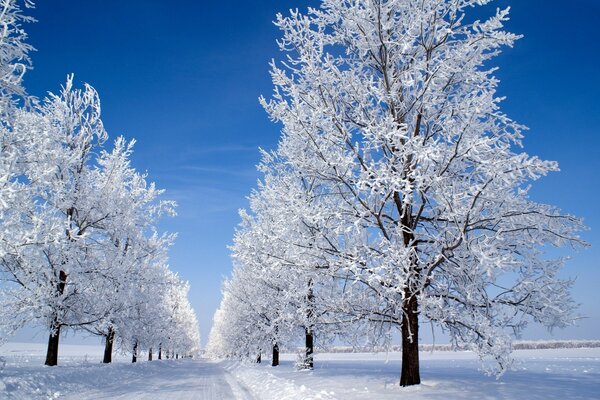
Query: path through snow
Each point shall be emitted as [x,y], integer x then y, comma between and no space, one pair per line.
[540,375]
[181,379]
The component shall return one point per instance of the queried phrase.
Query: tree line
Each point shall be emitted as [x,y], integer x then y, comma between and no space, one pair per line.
[79,244]
[398,194]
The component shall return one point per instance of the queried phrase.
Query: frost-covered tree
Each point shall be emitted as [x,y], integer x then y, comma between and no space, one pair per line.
[132,249]
[185,340]
[281,288]
[390,107]
[79,248]
[14,54]
[58,227]
[14,62]
[170,323]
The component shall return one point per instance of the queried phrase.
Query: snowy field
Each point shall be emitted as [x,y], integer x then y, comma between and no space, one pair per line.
[541,374]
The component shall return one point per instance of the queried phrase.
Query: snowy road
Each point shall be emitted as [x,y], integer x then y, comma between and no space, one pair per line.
[551,374]
[181,380]
[26,379]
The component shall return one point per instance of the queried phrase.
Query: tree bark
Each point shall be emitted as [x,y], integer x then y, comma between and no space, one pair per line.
[160,351]
[309,344]
[52,351]
[410,343]
[275,359]
[309,330]
[108,346]
[134,355]
[150,354]
[259,358]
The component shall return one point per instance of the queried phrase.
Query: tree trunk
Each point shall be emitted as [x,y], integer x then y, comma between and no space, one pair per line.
[309,330]
[160,351]
[108,346]
[150,354]
[177,356]
[259,358]
[52,352]
[410,343]
[275,361]
[309,344]
[134,355]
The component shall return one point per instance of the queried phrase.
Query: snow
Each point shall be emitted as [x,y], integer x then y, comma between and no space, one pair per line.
[540,374]
[80,375]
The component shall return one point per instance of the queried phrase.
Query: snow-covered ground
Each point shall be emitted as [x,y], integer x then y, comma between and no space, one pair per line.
[81,376]
[542,374]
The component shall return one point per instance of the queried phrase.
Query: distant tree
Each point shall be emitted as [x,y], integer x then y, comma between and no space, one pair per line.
[79,247]
[134,254]
[390,108]
[281,288]
[14,142]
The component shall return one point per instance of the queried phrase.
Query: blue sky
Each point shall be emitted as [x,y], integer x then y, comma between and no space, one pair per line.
[183,78]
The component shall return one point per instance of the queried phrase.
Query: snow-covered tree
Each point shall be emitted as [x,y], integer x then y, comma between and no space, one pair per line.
[14,54]
[79,247]
[277,244]
[281,288]
[183,338]
[82,249]
[132,249]
[59,223]
[14,62]
[390,107]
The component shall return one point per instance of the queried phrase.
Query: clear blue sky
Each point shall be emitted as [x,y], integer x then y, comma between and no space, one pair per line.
[183,78]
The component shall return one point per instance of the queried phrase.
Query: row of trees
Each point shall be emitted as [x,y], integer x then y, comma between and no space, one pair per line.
[79,247]
[398,193]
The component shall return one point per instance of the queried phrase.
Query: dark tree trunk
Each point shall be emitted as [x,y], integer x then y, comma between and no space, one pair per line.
[410,308]
[259,358]
[108,346]
[309,330]
[309,344]
[160,351]
[410,343]
[52,352]
[134,355]
[275,361]
[150,354]
[177,356]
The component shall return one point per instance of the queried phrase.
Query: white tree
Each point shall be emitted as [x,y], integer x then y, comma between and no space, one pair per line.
[14,55]
[132,249]
[83,243]
[14,62]
[186,334]
[281,288]
[391,106]
[176,325]
[79,247]
[58,222]
[251,320]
